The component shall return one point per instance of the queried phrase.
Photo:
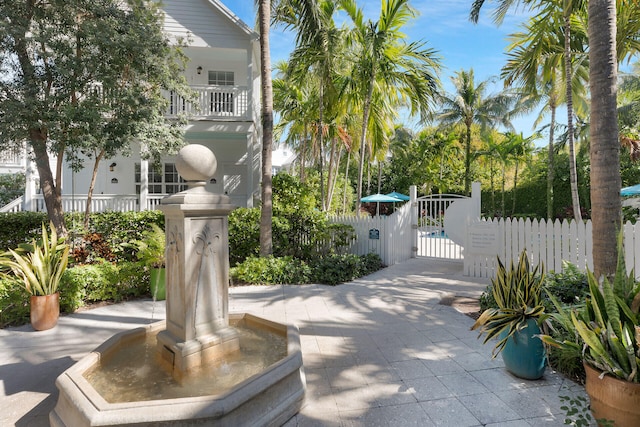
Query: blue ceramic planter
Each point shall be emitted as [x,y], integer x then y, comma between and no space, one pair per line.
[524,355]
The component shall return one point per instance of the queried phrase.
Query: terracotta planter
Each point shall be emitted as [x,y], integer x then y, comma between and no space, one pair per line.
[524,355]
[613,399]
[45,310]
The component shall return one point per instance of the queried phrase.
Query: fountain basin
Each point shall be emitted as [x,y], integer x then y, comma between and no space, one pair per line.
[268,398]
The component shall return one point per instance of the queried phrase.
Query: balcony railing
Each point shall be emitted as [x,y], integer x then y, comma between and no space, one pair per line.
[99,203]
[212,102]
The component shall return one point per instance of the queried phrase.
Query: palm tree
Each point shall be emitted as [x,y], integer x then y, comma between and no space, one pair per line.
[266,212]
[387,71]
[469,105]
[605,148]
[535,58]
[318,45]
[521,150]
[569,11]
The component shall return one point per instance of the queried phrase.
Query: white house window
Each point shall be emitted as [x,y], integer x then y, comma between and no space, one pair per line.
[221,100]
[163,181]
[221,78]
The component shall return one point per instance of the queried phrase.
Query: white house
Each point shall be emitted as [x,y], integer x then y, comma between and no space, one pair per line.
[224,70]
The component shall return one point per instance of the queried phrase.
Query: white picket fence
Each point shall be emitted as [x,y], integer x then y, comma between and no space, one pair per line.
[388,236]
[549,243]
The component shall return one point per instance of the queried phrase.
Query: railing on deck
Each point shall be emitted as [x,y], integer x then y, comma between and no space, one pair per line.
[99,203]
[212,101]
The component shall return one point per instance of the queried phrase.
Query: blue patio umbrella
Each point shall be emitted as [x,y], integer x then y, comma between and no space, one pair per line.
[379,198]
[634,190]
[399,195]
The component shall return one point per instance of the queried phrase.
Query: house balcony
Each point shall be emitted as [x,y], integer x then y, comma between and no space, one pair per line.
[212,103]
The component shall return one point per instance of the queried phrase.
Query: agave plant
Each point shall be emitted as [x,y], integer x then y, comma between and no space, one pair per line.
[39,264]
[608,324]
[518,293]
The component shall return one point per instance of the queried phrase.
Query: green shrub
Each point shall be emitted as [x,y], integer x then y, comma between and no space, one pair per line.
[272,270]
[20,227]
[244,234]
[330,270]
[102,282]
[335,269]
[14,303]
[569,286]
[110,232]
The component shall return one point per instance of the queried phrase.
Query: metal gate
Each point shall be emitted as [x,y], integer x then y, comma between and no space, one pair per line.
[432,241]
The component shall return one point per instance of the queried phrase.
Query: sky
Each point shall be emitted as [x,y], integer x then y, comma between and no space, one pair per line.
[444,26]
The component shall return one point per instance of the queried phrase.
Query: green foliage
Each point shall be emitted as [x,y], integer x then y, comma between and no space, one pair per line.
[517,292]
[150,250]
[610,326]
[272,270]
[330,270]
[606,329]
[102,282]
[335,269]
[14,303]
[20,227]
[244,234]
[117,229]
[11,187]
[299,229]
[40,264]
[569,286]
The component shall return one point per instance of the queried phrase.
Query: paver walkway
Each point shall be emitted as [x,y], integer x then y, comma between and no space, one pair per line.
[379,351]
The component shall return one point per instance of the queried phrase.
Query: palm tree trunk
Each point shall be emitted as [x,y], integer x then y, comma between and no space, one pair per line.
[266,211]
[320,146]
[467,161]
[573,173]
[330,170]
[363,139]
[550,155]
[303,153]
[334,182]
[346,182]
[515,189]
[604,148]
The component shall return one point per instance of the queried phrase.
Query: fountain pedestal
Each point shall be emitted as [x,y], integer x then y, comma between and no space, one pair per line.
[197,255]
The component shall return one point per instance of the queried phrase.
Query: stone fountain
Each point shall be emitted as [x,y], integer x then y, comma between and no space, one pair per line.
[199,341]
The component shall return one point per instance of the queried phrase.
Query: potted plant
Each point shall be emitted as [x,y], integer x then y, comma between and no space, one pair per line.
[609,325]
[151,253]
[515,322]
[39,266]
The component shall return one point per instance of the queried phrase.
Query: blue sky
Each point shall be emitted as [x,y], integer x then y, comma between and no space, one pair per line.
[444,25]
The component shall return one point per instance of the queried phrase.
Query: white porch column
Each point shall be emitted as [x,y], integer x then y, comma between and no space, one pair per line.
[413,199]
[144,184]
[30,182]
[250,163]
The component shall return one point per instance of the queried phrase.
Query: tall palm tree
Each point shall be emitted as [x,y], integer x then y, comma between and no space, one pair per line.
[569,11]
[521,150]
[318,45]
[470,105]
[536,56]
[387,72]
[266,212]
[605,148]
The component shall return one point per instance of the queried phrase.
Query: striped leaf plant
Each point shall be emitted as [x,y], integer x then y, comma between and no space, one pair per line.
[38,265]
[517,291]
